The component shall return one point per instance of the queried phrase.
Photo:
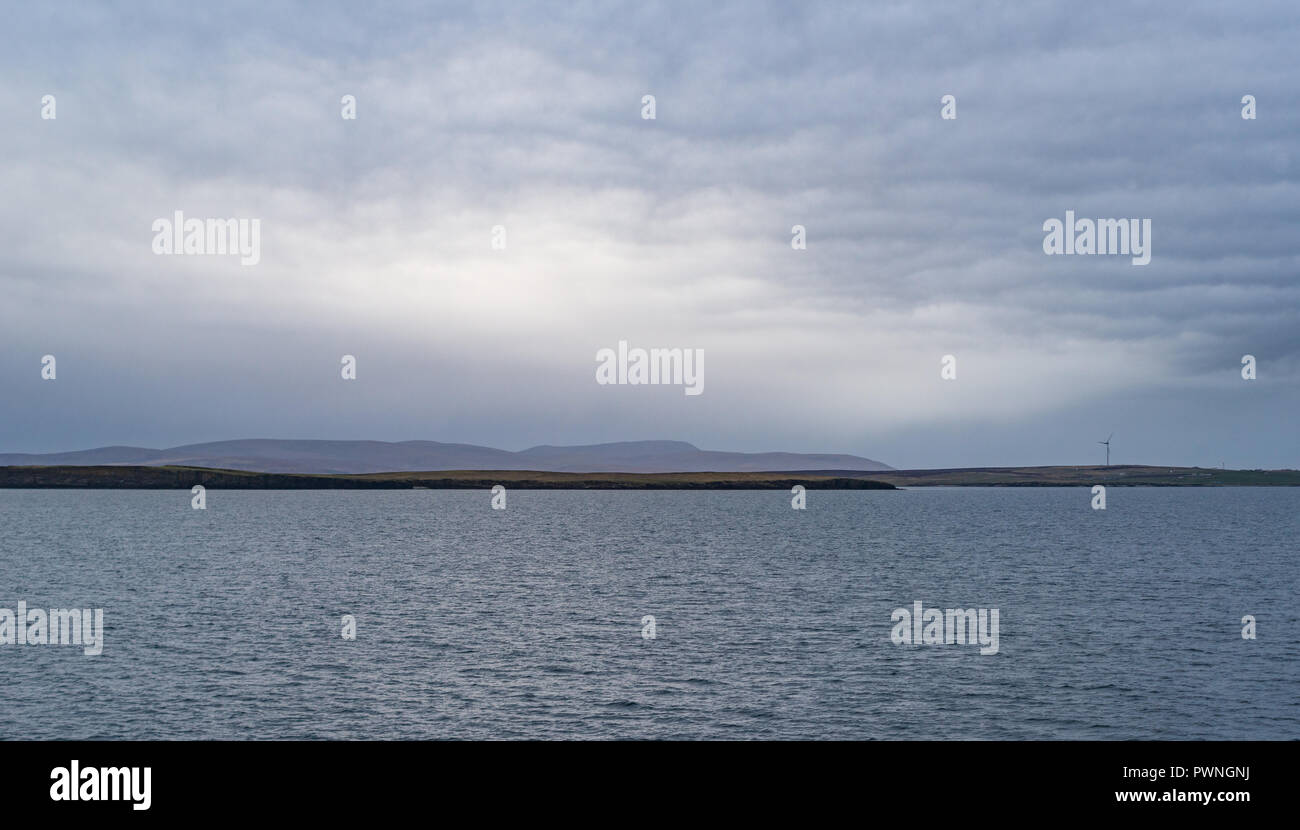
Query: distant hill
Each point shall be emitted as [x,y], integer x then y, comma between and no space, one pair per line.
[268,455]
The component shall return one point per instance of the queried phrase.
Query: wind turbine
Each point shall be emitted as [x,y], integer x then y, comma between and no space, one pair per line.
[1107,443]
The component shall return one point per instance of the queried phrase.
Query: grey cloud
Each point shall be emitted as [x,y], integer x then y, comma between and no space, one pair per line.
[924,235]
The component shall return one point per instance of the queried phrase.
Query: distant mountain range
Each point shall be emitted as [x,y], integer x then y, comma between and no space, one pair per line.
[268,455]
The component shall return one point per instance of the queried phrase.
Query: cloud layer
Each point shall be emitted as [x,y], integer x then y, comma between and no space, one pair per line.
[924,234]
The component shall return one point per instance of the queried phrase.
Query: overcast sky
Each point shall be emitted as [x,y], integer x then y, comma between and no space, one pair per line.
[924,235]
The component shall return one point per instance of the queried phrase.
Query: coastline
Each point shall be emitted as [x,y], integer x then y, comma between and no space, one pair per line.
[164,478]
[175,477]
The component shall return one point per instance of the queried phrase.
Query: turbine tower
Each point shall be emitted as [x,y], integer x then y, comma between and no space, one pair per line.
[1107,443]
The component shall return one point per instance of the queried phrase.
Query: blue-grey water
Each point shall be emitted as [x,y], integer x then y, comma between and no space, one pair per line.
[770,622]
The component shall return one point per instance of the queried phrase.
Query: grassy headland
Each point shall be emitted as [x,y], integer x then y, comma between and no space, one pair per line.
[1113,476]
[154,478]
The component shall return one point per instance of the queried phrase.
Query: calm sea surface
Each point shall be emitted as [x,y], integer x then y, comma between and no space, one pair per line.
[770,622]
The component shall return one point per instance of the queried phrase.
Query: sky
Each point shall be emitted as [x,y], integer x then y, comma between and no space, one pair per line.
[924,234]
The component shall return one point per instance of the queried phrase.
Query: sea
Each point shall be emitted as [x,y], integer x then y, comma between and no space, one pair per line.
[596,614]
